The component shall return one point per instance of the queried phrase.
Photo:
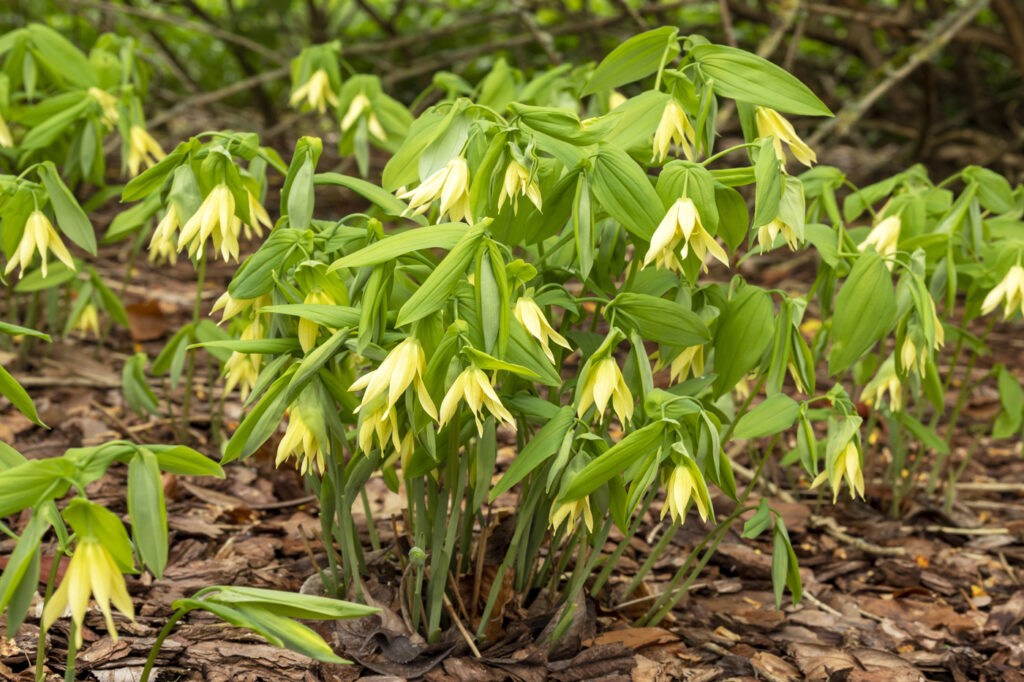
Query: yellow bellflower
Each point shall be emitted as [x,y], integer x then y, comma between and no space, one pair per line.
[771,124]
[215,218]
[230,305]
[674,126]
[604,381]
[767,233]
[316,91]
[87,321]
[886,380]
[300,442]
[473,386]
[142,149]
[161,245]
[92,570]
[847,464]
[108,103]
[308,329]
[572,511]
[360,104]
[258,217]
[681,486]
[1009,291]
[517,182]
[403,366]
[449,184]
[40,236]
[532,318]
[689,359]
[241,369]
[682,224]
[6,139]
[383,422]
[885,237]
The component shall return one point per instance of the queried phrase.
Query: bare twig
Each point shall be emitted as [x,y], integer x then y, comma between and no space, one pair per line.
[924,50]
[181,22]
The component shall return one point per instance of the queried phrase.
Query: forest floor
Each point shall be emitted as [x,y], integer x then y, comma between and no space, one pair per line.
[935,594]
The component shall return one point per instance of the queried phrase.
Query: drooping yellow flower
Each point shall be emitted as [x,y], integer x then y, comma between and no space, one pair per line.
[884,237]
[572,511]
[242,369]
[40,236]
[87,321]
[6,139]
[940,332]
[517,182]
[1010,290]
[360,104]
[92,570]
[681,486]
[682,224]
[230,305]
[767,233]
[300,442]
[308,329]
[912,360]
[604,381]
[383,422]
[473,386]
[258,218]
[142,149]
[674,126]
[215,218]
[316,91]
[161,245]
[402,367]
[532,318]
[886,380]
[449,184]
[847,464]
[771,124]
[108,103]
[691,358]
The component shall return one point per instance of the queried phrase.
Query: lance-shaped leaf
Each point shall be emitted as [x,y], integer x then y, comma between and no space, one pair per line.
[864,311]
[613,461]
[435,291]
[636,58]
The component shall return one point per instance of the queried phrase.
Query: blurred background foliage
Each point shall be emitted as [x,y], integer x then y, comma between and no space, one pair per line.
[931,81]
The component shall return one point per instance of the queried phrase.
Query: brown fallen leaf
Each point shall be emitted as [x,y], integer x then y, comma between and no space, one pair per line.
[634,638]
[146,321]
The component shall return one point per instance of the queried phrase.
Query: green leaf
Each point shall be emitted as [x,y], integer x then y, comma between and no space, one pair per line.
[260,423]
[19,564]
[260,346]
[661,320]
[1011,397]
[292,604]
[325,314]
[865,309]
[300,197]
[774,415]
[385,201]
[638,57]
[435,291]
[748,78]
[539,448]
[769,188]
[184,461]
[926,435]
[624,191]
[744,332]
[16,330]
[147,511]
[137,393]
[444,236]
[70,217]
[317,358]
[757,523]
[614,460]
[64,60]
[12,390]
[33,482]
[90,520]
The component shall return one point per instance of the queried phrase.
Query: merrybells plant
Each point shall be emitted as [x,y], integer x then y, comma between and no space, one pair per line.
[560,271]
[542,271]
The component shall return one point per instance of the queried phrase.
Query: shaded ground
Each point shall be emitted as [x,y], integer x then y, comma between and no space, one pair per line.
[935,595]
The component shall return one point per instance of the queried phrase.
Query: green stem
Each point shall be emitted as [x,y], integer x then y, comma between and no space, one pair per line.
[151,659]
[715,157]
[186,404]
[69,669]
[41,646]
